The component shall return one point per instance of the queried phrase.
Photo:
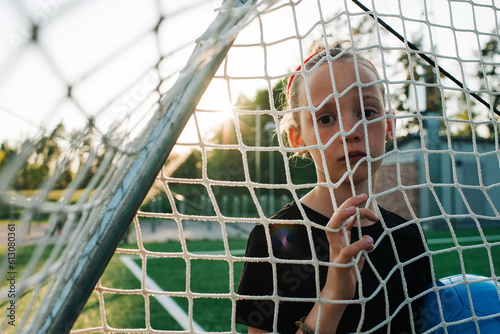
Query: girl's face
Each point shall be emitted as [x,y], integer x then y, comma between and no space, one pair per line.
[349,146]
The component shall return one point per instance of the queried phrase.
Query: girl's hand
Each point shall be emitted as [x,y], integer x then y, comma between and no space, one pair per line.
[341,281]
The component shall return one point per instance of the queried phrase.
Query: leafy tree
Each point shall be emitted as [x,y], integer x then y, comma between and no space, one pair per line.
[6,153]
[44,159]
[486,77]
[489,72]
[489,75]
[226,163]
[48,154]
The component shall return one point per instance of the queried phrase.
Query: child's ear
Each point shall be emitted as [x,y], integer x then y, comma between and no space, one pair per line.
[389,135]
[295,138]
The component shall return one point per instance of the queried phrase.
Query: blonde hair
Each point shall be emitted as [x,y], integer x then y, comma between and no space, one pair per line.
[295,87]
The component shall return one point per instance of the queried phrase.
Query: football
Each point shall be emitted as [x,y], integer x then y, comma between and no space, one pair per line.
[458,308]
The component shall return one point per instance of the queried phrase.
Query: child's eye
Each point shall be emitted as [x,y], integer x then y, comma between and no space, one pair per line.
[326,119]
[369,113]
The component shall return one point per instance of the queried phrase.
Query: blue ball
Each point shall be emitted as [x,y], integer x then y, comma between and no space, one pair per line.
[456,306]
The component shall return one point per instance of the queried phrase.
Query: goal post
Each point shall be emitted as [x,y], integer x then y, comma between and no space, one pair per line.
[135,196]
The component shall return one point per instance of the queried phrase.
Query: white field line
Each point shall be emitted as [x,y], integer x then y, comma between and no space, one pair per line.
[167,302]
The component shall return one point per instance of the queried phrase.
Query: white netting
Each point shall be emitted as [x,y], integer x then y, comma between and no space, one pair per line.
[98,87]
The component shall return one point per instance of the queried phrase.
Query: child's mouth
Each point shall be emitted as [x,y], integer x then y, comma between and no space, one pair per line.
[355,156]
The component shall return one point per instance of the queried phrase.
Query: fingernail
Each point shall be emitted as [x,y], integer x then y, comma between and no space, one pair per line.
[362,196]
[351,209]
[369,240]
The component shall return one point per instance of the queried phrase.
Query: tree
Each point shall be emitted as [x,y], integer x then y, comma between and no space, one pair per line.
[489,75]
[6,153]
[486,78]
[488,72]
[226,163]
[48,155]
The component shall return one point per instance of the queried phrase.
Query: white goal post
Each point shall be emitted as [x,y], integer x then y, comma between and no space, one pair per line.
[133,131]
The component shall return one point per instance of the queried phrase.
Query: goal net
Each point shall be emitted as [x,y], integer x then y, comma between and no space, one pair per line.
[141,144]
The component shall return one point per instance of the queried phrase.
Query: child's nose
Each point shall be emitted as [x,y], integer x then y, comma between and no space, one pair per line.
[353,128]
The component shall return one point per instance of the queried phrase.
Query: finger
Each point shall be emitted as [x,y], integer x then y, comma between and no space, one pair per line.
[351,251]
[342,215]
[368,214]
[354,201]
[363,213]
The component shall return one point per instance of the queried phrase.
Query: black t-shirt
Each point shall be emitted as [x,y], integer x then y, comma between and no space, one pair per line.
[298,284]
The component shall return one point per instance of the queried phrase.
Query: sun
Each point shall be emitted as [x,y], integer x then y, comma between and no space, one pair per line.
[226,112]
[213,111]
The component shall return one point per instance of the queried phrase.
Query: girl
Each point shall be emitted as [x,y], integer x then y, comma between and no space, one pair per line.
[334,285]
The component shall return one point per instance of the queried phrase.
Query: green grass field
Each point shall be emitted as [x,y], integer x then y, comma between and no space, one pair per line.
[212,277]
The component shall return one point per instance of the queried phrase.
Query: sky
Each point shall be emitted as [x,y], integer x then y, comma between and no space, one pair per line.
[105,51]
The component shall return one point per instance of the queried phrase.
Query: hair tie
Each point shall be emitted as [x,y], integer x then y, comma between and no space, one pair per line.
[298,69]
[369,62]
[305,61]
